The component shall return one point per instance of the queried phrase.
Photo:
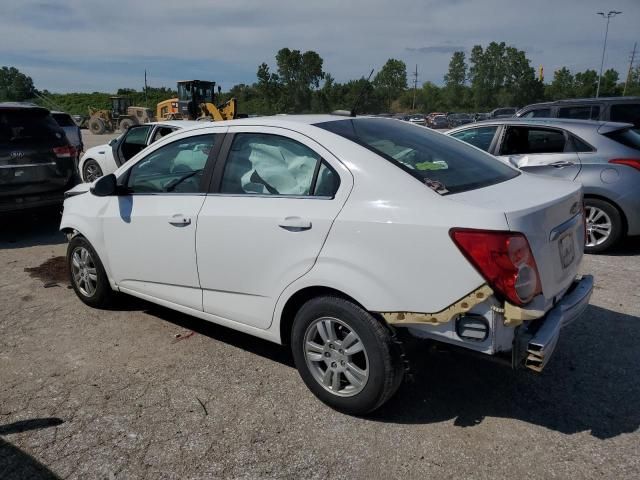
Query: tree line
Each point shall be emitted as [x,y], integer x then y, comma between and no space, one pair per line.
[498,75]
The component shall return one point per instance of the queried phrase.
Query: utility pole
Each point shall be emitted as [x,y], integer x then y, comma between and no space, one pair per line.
[633,56]
[145,88]
[415,88]
[608,16]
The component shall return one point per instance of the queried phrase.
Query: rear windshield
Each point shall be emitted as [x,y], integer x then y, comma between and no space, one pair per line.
[627,136]
[63,119]
[442,163]
[627,113]
[25,124]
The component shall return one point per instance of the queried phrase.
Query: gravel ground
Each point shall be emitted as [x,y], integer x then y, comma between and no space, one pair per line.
[143,392]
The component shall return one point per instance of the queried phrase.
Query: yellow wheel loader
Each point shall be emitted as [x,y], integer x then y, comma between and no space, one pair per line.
[197,101]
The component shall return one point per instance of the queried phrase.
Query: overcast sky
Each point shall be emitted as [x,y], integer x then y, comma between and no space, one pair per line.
[87,45]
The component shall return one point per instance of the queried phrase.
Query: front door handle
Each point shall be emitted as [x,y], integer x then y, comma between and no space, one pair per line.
[295,224]
[179,220]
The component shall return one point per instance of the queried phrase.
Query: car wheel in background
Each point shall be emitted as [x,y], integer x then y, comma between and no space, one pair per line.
[604,225]
[97,126]
[87,274]
[346,357]
[125,124]
[91,171]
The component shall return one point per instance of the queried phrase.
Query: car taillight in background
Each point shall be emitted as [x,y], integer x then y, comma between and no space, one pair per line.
[505,261]
[630,162]
[66,151]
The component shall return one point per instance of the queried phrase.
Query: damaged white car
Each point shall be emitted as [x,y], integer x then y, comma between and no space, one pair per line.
[328,234]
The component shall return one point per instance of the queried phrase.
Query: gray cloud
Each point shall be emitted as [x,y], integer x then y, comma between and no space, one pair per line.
[87,45]
[436,49]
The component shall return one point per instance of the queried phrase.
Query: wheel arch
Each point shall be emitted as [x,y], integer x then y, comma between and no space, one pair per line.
[300,297]
[623,217]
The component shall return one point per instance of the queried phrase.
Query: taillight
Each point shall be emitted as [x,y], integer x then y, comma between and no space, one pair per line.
[505,261]
[630,162]
[66,151]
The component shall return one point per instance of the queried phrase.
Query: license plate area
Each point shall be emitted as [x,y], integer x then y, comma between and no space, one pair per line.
[567,249]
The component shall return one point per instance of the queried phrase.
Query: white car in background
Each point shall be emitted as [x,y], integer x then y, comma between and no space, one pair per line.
[104,159]
[328,234]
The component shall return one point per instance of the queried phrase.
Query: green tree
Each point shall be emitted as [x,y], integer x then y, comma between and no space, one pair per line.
[391,80]
[562,85]
[609,84]
[15,86]
[299,73]
[586,83]
[455,80]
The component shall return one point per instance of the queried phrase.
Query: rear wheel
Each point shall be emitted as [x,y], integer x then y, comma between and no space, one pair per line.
[91,171]
[345,356]
[87,274]
[604,225]
[97,126]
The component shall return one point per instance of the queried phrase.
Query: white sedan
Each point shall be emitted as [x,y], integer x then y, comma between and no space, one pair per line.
[104,159]
[328,234]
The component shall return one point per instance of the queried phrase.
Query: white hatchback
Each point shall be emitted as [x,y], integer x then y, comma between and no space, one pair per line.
[329,233]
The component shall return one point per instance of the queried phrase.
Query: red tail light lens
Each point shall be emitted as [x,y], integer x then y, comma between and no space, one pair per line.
[66,151]
[505,261]
[630,162]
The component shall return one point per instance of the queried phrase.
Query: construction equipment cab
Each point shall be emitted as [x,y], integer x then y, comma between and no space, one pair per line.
[197,101]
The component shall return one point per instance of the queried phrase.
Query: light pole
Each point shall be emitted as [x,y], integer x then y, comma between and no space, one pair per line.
[608,16]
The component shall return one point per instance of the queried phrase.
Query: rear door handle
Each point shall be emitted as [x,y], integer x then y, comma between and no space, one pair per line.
[561,164]
[179,220]
[295,224]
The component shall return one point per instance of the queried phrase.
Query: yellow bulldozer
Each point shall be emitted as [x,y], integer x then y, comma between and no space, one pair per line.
[121,116]
[196,101]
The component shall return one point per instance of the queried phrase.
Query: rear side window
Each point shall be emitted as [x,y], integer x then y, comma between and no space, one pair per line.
[63,119]
[440,162]
[627,113]
[538,113]
[580,145]
[28,125]
[580,112]
[529,140]
[626,136]
[480,137]
[264,164]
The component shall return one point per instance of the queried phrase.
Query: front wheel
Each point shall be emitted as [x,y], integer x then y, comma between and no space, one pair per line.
[91,171]
[604,225]
[345,356]
[87,274]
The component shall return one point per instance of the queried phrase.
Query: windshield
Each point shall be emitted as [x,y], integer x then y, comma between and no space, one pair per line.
[627,137]
[442,163]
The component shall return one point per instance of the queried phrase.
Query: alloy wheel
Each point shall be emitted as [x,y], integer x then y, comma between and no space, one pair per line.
[84,271]
[336,356]
[92,172]
[599,226]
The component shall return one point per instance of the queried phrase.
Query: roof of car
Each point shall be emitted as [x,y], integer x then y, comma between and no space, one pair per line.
[584,100]
[17,105]
[176,123]
[278,120]
[561,122]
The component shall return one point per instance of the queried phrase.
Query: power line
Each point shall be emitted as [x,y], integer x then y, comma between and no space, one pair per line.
[633,56]
[415,87]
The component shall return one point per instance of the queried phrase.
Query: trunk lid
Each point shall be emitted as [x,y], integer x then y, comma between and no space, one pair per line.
[549,213]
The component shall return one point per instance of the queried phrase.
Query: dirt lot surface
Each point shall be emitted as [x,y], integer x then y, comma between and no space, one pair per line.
[142,392]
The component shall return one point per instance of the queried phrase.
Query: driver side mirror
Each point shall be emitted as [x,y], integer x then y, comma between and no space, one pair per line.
[105,186]
[112,141]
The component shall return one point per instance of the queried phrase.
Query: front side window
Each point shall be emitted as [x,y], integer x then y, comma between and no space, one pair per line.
[442,163]
[529,140]
[263,164]
[174,168]
[586,112]
[480,137]
[134,141]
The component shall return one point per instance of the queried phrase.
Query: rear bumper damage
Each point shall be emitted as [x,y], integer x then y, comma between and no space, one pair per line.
[535,343]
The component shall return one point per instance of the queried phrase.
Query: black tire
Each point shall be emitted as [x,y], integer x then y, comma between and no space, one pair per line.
[102,295]
[617,225]
[91,171]
[125,124]
[97,126]
[385,368]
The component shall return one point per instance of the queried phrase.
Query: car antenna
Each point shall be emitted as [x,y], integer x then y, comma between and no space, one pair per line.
[352,113]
